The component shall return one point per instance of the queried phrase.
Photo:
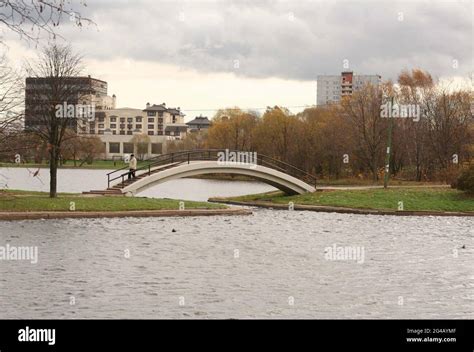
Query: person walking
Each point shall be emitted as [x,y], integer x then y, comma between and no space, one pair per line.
[132,166]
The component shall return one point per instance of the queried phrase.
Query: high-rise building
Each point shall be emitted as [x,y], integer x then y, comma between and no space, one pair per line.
[331,88]
[41,93]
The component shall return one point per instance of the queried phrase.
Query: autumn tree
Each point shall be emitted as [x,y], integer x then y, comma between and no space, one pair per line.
[141,142]
[363,109]
[192,141]
[449,117]
[232,129]
[411,139]
[81,149]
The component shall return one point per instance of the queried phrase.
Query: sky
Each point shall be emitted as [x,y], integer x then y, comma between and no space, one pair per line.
[205,55]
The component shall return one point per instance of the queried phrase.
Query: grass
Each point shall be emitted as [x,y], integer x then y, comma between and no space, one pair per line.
[37,201]
[414,199]
[370,182]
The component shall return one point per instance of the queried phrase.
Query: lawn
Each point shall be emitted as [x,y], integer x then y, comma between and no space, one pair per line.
[414,199]
[36,201]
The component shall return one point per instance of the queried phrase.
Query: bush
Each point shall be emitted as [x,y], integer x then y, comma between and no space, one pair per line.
[465,181]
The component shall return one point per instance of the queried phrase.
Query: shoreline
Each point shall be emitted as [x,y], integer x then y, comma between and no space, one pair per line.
[342,210]
[46,215]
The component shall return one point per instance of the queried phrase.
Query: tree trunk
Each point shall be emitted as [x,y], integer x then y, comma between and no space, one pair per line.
[53,172]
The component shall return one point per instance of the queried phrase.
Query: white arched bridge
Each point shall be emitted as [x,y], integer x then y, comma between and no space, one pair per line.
[166,167]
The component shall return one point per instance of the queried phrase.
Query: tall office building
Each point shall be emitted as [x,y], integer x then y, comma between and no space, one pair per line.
[331,88]
[40,91]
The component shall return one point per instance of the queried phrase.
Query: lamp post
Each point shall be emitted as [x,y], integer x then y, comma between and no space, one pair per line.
[389,147]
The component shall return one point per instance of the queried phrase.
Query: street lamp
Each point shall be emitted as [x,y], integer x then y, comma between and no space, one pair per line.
[389,143]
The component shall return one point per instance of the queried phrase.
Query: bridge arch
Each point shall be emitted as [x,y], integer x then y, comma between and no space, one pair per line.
[163,168]
[278,179]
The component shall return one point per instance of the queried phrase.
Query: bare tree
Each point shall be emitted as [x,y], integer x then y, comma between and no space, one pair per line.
[369,128]
[10,106]
[141,141]
[31,18]
[53,82]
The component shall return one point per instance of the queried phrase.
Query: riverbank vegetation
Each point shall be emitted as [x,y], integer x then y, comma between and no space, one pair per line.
[408,199]
[349,140]
[25,201]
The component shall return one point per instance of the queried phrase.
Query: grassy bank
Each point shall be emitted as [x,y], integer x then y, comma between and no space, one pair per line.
[414,199]
[11,201]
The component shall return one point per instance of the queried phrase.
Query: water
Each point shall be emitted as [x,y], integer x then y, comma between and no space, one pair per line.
[271,264]
[77,181]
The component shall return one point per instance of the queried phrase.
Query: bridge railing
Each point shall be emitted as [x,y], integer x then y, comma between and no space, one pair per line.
[209,155]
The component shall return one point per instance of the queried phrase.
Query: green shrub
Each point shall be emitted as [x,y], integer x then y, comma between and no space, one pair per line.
[465,181]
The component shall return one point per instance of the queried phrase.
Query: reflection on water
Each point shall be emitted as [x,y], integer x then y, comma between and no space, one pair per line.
[240,267]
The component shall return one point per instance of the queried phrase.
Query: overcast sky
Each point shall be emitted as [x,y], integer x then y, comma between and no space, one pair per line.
[209,54]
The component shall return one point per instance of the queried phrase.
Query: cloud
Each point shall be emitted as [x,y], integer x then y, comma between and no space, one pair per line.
[285,39]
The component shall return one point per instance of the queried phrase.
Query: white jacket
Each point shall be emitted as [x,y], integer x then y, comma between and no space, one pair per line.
[133,163]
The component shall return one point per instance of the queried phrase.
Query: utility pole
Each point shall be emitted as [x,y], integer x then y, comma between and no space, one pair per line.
[389,147]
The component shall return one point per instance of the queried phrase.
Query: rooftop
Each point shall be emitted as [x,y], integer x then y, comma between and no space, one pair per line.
[199,120]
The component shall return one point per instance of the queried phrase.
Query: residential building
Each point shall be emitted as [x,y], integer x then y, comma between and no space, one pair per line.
[198,124]
[156,124]
[331,88]
[116,127]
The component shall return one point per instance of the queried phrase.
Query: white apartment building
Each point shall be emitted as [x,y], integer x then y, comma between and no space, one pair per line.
[117,128]
[331,88]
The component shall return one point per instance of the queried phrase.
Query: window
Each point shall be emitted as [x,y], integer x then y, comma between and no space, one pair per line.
[128,148]
[160,114]
[129,127]
[160,127]
[113,119]
[113,125]
[130,119]
[114,147]
[122,133]
[151,120]
[122,119]
[101,119]
[139,119]
[160,133]
[174,119]
[92,132]
[160,120]
[150,127]
[101,125]
[114,132]
[139,126]
[122,126]
[129,133]
[101,132]
[168,133]
[151,113]
[157,148]
[150,133]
